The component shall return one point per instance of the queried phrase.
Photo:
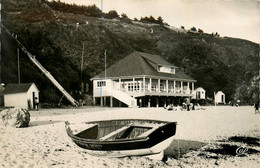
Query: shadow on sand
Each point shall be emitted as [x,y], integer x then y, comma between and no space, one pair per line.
[39,123]
[180,147]
[243,146]
[231,150]
[246,140]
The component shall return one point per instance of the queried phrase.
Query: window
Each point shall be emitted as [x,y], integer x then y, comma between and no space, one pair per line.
[166,69]
[159,68]
[130,87]
[101,83]
[154,87]
[173,70]
[137,86]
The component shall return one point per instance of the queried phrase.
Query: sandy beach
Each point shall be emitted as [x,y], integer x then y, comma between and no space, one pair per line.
[204,138]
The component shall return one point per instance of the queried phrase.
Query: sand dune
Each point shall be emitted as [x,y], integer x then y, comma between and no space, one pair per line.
[203,138]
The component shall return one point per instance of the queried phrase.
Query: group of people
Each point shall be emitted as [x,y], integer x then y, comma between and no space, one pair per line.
[188,106]
[172,107]
[184,106]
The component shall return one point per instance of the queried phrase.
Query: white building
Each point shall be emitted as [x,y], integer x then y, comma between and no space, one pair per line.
[2,88]
[21,95]
[220,98]
[143,80]
[199,93]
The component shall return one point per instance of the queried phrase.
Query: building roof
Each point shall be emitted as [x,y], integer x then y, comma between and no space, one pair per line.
[220,92]
[200,89]
[18,88]
[139,64]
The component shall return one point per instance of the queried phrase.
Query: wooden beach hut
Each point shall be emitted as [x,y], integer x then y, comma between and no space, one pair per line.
[220,98]
[199,93]
[21,95]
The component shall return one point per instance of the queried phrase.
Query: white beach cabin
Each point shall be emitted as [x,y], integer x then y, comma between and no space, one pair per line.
[220,98]
[199,93]
[21,95]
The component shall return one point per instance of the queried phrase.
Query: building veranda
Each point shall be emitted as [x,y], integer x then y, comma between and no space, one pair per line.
[143,80]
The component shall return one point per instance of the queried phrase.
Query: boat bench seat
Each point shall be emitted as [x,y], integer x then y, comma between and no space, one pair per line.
[148,132]
[115,132]
[145,134]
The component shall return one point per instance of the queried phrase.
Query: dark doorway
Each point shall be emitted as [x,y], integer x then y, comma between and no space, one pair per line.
[33,95]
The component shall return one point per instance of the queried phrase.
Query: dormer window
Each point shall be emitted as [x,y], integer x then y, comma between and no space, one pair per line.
[166,69]
[172,70]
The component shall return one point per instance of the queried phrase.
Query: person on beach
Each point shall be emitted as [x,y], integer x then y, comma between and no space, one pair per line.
[256,107]
[184,106]
[36,101]
[188,107]
[192,106]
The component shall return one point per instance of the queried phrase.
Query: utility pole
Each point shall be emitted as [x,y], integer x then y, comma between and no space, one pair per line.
[0,44]
[215,98]
[105,64]
[101,8]
[18,66]
[81,69]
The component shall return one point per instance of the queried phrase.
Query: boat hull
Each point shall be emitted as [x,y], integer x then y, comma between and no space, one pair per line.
[153,143]
[156,152]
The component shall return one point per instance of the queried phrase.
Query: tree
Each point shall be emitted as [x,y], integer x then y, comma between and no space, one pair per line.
[145,19]
[124,16]
[200,31]
[193,29]
[93,11]
[160,20]
[152,19]
[112,14]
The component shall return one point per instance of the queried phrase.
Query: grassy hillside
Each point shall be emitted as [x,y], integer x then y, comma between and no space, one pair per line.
[55,33]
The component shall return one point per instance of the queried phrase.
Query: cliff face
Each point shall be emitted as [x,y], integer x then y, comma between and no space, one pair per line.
[58,38]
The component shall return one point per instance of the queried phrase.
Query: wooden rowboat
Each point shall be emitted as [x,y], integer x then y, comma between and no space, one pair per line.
[119,138]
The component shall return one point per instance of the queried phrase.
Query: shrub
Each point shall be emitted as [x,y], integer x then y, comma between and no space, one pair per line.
[112,14]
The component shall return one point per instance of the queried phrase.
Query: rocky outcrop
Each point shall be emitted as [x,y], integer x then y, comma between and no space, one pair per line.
[15,117]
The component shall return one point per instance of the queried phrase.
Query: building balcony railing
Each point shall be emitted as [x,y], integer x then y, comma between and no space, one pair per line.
[140,89]
[157,90]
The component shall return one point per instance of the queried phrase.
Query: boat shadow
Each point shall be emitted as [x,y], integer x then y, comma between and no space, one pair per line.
[40,123]
[180,147]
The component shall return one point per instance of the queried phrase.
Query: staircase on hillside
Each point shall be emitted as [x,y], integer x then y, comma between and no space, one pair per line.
[46,73]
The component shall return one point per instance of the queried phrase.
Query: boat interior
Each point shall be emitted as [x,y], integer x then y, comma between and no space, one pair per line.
[118,130]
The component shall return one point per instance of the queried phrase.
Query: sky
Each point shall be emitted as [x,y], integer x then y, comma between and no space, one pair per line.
[232,18]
